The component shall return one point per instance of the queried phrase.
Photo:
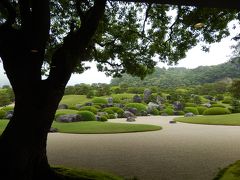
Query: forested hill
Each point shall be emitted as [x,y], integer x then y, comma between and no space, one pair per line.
[175,77]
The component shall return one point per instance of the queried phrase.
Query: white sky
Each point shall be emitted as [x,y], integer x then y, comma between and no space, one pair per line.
[219,53]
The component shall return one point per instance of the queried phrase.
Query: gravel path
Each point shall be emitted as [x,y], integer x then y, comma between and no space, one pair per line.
[177,152]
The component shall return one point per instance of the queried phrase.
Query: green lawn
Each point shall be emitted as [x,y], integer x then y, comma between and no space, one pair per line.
[72,100]
[94,127]
[230,119]
[231,172]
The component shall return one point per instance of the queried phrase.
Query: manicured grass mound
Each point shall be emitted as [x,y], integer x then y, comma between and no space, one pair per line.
[87,116]
[232,172]
[64,112]
[85,174]
[140,107]
[72,100]
[230,119]
[89,108]
[95,127]
[192,110]
[216,111]
[99,100]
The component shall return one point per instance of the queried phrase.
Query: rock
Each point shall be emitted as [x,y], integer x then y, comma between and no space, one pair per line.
[102,114]
[137,99]
[147,95]
[131,119]
[151,106]
[62,106]
[9,114]
[127,114]
[88,104]
[133,110]
[119,105]
[143,113]
[79,106]
[53,130]
[189,114]
[172,122]
[69,118]
[110,101]
[178,105]
[159,100]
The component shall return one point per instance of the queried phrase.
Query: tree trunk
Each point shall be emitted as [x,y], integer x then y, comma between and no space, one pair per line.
[23,143]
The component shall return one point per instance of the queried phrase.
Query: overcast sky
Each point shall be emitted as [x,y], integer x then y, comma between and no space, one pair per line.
[219,53]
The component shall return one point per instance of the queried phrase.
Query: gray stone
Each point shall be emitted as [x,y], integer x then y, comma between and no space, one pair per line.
[172,122]
[151,106]
[137,99]
[62,106]
[189,114]
[79,106]
[69,118]
[88,104]
[9,114]
[127,114]
[147,95]
[159,100]
[102,114]
[133,110]
[143,113]
[110,101]
[178,105]
[131,119]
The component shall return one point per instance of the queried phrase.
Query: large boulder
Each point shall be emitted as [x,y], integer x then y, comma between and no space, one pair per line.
[151,106]
[9,114]
[110,101]
[178,105]
[62,106]
[147,95]
[69,118]
[132,110]
[131,119]
[53,130]
[137,99]
[189,114]
[159,100]
[127,114]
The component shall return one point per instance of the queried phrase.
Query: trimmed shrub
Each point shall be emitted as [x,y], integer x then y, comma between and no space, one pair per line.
[109,111]
[103,118]
[192,110]
[64,112]
[2,114]
[179,113]
[87,116]
[140,107]
[218,105]
[155,112]
[190,105]
[111,116]
[227,100]
[168,111]
[89,108]
[99,100]
[216,111]
[117,110]
[201,109]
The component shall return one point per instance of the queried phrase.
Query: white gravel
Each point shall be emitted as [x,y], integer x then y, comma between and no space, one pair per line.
[177,152]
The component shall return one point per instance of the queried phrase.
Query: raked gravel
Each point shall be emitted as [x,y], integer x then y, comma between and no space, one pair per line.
[177,152]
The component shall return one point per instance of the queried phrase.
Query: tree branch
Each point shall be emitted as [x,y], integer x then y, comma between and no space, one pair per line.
[25,15]
[146,17]
[11,12]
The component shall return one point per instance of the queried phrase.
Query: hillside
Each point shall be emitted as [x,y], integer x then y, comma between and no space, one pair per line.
[176,77]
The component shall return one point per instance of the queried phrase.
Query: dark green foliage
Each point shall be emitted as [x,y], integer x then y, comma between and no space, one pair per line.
[89,108]
[140,107]
[235,88]
[103,118]
[192,110]
[90,94]
[155,112]
[235,106]
[87,116]
[99,100]
[201,109]
[4,97]
[109,111]
[180,113]
[111,116]
[227,100]
[2,114]
[216,111]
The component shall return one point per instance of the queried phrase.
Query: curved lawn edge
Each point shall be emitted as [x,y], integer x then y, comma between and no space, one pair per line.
[94,127]
[231,172]
[84,174]
[226,120]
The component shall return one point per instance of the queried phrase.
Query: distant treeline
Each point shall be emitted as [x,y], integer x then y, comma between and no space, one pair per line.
[182,77]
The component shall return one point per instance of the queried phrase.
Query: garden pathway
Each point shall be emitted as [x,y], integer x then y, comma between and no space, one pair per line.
[177,152]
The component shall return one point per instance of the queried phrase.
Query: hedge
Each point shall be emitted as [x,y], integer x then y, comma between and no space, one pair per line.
[87,116]
[89,108]
[99,100]
[201,109]
[216,111]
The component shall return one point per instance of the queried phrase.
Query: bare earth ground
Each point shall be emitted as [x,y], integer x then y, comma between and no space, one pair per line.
[177,152]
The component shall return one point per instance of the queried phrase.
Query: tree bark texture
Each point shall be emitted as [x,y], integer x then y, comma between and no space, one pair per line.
[23,142]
